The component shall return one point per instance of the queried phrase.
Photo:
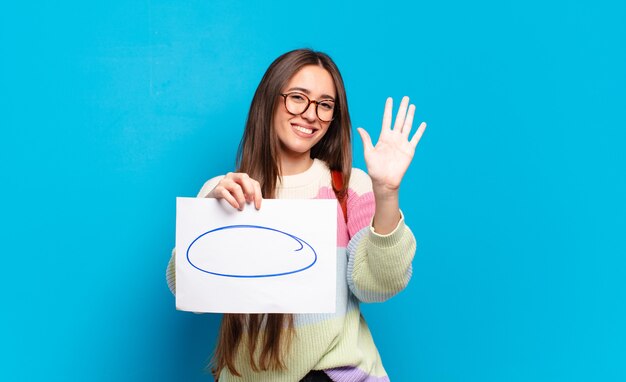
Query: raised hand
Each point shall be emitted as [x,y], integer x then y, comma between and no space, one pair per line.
[388,161]
[238,188]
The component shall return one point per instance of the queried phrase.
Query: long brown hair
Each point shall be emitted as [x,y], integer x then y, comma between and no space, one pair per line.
[258,157]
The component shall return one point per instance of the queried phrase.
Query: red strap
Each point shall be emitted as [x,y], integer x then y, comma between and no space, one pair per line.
[337,177]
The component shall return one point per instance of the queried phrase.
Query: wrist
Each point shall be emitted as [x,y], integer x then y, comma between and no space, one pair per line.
[384,192]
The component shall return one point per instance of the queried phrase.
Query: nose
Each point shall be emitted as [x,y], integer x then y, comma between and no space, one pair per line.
[310,114]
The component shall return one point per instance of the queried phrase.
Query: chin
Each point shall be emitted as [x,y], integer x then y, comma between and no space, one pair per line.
[296,150]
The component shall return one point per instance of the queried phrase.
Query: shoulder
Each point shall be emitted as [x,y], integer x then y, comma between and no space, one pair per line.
[209,185]
[360,182]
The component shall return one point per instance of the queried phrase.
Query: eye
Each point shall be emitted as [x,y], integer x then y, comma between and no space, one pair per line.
[327,105]
[296,97]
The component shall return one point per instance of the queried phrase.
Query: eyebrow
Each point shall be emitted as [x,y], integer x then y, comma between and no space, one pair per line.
[308,92]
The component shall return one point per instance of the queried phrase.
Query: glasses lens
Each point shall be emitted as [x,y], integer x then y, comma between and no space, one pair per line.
[325,110]
[296,103]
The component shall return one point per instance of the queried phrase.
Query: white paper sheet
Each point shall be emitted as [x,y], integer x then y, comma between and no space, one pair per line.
[279,259]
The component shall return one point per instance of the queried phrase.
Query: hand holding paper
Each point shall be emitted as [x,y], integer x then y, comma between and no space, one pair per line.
[237,189]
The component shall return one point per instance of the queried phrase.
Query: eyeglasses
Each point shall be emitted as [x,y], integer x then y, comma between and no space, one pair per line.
[298,103]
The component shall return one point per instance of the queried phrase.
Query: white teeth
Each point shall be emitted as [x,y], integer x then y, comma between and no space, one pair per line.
[303,129]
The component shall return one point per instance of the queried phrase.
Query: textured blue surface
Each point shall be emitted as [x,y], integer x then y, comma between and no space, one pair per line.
[109,110]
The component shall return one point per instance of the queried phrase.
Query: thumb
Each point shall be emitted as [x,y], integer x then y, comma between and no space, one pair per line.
[365,137]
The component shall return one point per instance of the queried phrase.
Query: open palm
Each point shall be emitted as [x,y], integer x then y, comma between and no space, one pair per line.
[388,161]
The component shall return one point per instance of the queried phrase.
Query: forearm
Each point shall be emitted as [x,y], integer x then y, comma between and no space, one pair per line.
[387,212]
[379,266]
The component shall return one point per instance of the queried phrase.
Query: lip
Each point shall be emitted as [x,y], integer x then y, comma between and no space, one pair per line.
[302,134]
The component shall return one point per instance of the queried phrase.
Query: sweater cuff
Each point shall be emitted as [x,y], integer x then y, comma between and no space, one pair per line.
[389,240]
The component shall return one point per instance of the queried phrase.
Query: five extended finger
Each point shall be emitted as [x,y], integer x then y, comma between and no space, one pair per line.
[367,140]
[418,134]
[401,116]
[387,114]
[408,122]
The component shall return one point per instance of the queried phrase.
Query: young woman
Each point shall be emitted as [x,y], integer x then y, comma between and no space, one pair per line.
[297,139]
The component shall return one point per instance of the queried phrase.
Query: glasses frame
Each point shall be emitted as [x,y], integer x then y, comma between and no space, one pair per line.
[310,101]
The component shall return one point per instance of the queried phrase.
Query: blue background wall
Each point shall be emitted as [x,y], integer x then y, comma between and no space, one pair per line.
[111,109]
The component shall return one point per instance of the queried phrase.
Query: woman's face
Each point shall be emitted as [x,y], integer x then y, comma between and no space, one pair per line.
[299,133]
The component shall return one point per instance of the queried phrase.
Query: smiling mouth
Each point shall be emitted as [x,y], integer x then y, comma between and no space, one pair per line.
[304,130]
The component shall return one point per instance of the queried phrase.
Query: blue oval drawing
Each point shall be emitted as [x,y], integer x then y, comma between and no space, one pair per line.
[297,239]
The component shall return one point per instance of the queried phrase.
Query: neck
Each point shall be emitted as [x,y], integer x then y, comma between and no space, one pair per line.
[292,165]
